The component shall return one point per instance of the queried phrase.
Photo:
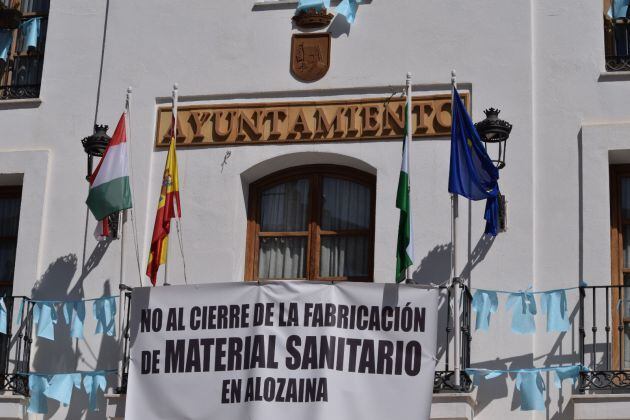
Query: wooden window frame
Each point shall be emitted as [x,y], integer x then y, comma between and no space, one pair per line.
[617,222]
[314,173]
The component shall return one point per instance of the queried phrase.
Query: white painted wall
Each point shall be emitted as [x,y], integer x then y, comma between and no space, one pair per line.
[539,61]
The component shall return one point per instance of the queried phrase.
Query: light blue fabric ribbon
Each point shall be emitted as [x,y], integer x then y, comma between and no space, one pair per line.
[532,387]
[45,316]
[6,37]
[30,33]
[485,303]
[524,304]
[554,304]
[312,4]
[61,385]
[3,317]
[566,372]
[74,314]
[18,320]
[493,374]
[37,385]
[92,382]
[620,9]
[105,315]
[348,9]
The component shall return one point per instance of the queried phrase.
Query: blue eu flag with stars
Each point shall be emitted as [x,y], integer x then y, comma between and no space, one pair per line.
[472,173]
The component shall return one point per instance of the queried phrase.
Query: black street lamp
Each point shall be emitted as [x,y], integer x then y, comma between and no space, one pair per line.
[495,130]
[95,145]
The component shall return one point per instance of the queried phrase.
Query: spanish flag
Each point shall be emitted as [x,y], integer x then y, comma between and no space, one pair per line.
[169,194]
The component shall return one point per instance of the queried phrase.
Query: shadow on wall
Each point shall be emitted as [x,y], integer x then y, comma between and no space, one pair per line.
[63,354]
[497,388]
[489,390]
[435,267]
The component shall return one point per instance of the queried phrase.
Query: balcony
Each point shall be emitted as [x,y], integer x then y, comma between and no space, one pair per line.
[617,44]
[21,72]
[15,347]
[444,380]
[605,339]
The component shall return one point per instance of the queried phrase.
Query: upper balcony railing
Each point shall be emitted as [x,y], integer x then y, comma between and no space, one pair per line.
[605,338]
[21,68]
[617,43]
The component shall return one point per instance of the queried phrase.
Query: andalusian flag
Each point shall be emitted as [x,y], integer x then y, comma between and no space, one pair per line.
[404,250]
[169,194]
[109,184]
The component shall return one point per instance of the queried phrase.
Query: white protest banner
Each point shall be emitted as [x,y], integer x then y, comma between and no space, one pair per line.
[282,350]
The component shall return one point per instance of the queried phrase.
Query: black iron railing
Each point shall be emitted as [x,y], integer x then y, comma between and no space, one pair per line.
[125,301]
[605,338]
[444,380]
[15,346]
[21,74]
[617,43]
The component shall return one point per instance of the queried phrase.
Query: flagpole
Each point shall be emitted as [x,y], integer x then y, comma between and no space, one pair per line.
[408,140]
[175,98]
[130,213]
[455,276]
[123,214]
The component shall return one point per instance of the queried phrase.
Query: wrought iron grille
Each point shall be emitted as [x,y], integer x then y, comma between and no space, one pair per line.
[124,371]
[617,43]
[444,380]
[15,347]
[605,338]
[21,74]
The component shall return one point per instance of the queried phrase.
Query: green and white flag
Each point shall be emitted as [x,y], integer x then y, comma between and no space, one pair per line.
[109,185]
[404,249]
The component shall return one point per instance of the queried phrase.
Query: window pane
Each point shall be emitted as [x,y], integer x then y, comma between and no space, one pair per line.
[626,346]
[284,208]
[626,246]
[625,198]
[625,295]
[27,70]
[7,260]
[35,6]
[346,205]
[344,256]
[282,258]
[9,216]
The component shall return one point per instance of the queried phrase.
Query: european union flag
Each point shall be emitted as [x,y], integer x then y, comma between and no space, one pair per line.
[472,173]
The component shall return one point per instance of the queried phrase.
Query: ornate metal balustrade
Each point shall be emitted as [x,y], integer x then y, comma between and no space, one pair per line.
[604,326]
[125,300]
[15,346]
[617,43]
[21,74]
[444,380]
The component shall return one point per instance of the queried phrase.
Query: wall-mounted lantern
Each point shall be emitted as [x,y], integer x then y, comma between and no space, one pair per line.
[95,145]
[494,130]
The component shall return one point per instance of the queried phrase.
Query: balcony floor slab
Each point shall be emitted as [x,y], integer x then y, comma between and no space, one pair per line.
[453,406]
[601,406]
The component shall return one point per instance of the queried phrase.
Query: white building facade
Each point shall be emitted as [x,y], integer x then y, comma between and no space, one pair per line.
[555,69]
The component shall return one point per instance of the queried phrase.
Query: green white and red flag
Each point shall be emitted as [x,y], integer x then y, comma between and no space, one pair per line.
[110,191]
[404,246]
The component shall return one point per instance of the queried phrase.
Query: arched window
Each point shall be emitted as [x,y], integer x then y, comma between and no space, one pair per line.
[312,222]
